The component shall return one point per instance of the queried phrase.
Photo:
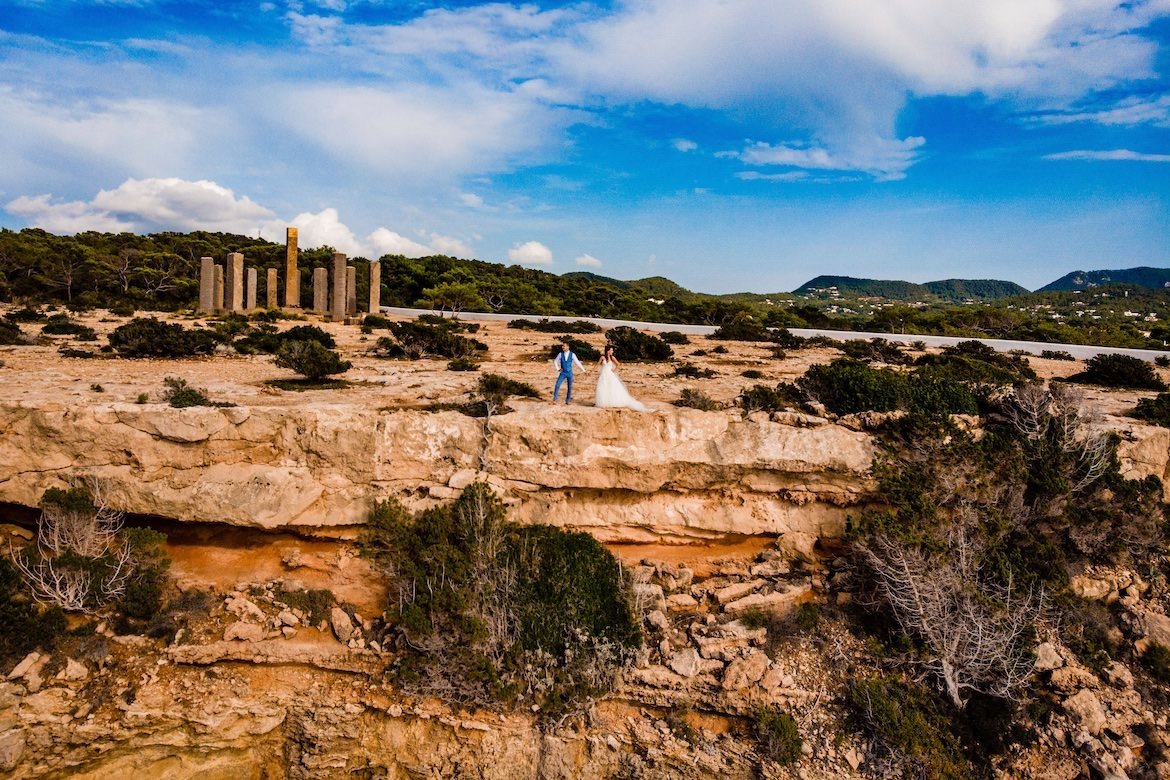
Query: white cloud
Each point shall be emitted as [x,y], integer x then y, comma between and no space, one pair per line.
[786,176]
[471,199]
[530,253]
[1109,154]
[684,145]
[588,261]
[386,242]
[885,160]
[446,245]
[1127,112]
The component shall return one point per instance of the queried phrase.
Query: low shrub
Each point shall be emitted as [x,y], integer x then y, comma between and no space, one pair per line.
[1162,361]
[231,324]
[761,398]
[777,735]
[151,337]
[311,359]
[1155,410]
[719,350]
[492,612]
[462,364]
[632,345]
[1119,371]
[61,325]
[181,395]
[694,399]
[122,309]
[496,385]
[267,339]
[1157,660]
[10,334]
[752,373]
[1056,354]
[674,338]
[142,598]
[742,329]
[547,326]
[691,371]
[376,321]
[699,353]
[24,626]
[316,604]
[978,366]
[422,339]
[848,386]
[808,616]
[876,350]
[584,351]
[909,724]
[27,314]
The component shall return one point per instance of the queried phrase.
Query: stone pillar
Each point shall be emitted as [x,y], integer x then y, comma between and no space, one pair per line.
[250,290]
[292,275]
[338,311]
[217,296]
[350,290]
[206,285]
[233,282]
[375,287]
[321,290]
[270,289]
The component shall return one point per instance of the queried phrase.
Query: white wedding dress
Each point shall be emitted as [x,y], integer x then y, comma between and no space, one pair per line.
[612,392]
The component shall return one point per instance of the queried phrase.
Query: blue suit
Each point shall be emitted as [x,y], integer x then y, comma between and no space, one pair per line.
[564,363]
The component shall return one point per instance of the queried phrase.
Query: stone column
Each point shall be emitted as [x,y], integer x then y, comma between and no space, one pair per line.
[321,290]
[350,290]
[250,290]
[270,289]
[375,287]
[338,311]
[206,285]
[233,282]
[292,275]
[217,296]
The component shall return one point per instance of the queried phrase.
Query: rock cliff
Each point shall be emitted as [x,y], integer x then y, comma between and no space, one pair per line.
[626,476]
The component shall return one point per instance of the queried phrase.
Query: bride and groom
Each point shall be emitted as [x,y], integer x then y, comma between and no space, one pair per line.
[611,391]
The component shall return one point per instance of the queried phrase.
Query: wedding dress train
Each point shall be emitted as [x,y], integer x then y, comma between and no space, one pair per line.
[612,392]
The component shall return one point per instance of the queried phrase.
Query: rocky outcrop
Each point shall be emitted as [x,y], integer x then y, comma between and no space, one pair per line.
[625,476]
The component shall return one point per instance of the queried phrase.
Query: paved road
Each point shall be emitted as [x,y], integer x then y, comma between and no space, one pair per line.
[1002,345]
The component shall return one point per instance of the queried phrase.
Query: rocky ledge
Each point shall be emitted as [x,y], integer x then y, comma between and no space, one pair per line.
[623,475]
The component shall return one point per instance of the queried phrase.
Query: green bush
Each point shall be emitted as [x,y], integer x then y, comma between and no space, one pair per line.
[267,339]
[495,385]
[777,735]
[181,395]
[423,339]
[911,724]
[808,616]
[691,371]
[632,345]
[316,604]
[143,596]
[122,309]
[876,350]
[761,398]
[10,334]
[547,326]
[27,314]
[1119,371]
[1162,361]
[1056,354]
[150,337]
[23,625]
[1155,410]
[742,328]
[311,359]
[61,325]
[584,351]
[503,611]
[674,338]
[1157,660]
[462,364]
[848,386]
[978,366]
[694,399]
[752,373]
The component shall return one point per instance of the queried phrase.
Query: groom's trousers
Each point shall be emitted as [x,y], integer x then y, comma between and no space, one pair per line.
[564,376]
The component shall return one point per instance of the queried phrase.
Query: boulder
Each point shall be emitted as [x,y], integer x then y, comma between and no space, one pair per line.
[1085,710]
[244,632]
[12,744]
[686,662]
[737,590]
[1047,657]
[343,627]
[745,671]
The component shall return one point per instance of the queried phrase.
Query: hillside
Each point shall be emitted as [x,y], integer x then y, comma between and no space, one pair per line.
[1144,276]
[897,290]
[982,289]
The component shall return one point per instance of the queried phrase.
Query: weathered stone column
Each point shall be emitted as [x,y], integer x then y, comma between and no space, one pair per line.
[250,290]
[206,285]
[375,287]
[338,310]
[233,282]
[292,275]
[321,290]
[217,296]
[270,289]
[350,290]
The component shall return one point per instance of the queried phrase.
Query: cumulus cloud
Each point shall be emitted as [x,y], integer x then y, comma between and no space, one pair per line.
[148,205]
[1109,154]
[588,261]
[530,253]
[684,145]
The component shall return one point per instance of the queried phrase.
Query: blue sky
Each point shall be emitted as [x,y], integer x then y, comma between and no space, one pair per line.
[727,144]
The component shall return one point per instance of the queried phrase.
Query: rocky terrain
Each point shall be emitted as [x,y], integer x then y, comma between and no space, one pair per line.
[727,523]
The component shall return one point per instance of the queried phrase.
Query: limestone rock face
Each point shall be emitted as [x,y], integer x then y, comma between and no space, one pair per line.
[623,475]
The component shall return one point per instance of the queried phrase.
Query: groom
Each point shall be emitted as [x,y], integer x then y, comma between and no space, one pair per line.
[564,365]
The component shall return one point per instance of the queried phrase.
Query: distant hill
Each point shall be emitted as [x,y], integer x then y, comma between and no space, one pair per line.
[980,289]
[661,287]
[1144,276]
[598,278]
[897,290]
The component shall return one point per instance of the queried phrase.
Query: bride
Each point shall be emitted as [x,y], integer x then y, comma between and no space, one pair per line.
[611,391]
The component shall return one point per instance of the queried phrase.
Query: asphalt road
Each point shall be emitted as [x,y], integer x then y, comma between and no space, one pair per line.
[1002,345]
